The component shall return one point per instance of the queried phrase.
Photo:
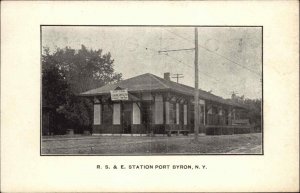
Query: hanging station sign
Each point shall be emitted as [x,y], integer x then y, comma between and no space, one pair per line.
[119,95]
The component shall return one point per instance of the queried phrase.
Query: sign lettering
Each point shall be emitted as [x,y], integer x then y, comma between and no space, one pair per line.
[119,95]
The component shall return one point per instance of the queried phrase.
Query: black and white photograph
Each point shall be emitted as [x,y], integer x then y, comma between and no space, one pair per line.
[151,90]
[149,96]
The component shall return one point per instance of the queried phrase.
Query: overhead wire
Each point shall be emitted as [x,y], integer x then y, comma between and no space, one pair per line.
[180,61]
[220,55]
[212,79]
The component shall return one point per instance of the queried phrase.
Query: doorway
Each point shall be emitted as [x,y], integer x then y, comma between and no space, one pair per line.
[126,117]
[146,114]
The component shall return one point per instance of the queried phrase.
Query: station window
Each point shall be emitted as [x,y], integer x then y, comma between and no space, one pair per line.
[107,114]
[172,113]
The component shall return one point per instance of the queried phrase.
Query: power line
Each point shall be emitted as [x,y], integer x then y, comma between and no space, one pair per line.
[186,49]
[184,38]
[180,61]
[213,80]
[229,60]
[203,47]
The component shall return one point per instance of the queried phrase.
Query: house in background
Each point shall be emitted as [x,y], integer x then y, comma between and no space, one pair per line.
[159,106]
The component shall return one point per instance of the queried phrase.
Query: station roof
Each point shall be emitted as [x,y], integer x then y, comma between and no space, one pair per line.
[150,83]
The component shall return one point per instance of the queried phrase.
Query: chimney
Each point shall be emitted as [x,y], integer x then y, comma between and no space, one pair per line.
[167,76]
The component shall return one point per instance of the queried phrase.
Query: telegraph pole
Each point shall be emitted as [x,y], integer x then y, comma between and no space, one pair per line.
[196,103]
[177,76]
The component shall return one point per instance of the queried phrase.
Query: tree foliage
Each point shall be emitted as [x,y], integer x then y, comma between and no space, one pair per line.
[68,72]
[254,112]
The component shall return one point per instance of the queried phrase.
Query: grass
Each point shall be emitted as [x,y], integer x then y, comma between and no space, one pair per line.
[120,145]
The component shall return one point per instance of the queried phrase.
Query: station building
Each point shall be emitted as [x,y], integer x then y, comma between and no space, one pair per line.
[156,105]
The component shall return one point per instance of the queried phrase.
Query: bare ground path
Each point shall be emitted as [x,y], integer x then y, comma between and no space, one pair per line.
[99,145]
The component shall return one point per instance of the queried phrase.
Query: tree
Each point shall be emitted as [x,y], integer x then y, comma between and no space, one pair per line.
[55,87]
[254,112]
[55,91]
[254,108]
[73,72]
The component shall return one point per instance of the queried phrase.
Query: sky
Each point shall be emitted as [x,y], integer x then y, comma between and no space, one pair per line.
[230,58]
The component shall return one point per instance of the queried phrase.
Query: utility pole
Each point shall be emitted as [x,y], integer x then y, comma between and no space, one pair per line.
[177,76]
[196,100]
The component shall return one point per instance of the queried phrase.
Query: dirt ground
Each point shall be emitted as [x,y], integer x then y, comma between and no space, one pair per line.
[142,145]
